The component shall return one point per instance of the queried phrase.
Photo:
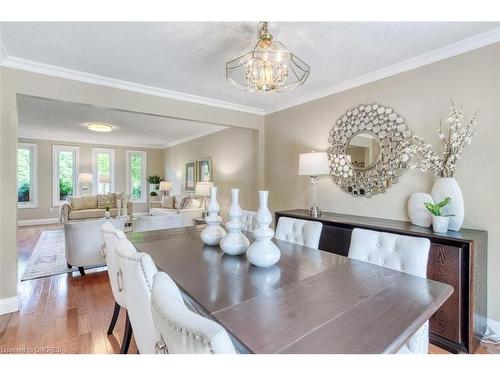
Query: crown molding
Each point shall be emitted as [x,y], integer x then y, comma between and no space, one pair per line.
[194,136]
[465,45]
[75,75]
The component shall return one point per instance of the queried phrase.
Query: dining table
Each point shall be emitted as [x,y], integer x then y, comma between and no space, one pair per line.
[311,301]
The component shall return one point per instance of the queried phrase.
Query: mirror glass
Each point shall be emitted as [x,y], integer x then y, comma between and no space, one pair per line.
[363,150]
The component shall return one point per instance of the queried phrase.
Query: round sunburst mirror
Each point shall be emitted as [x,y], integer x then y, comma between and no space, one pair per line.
[368,149]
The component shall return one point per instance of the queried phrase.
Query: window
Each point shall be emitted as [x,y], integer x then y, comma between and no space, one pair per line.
[65,172]
[26,176]
[103,170]
[136,175]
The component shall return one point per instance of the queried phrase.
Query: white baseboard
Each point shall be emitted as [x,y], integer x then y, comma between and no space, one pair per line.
[24,223]
[9,305]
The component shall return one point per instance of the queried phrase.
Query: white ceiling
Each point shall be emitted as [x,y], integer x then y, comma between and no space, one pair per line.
[62,121]
[189,57]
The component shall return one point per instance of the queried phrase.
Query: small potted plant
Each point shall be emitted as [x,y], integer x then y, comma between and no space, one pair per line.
[107,214]
[440,222]
[154,181]
[153,194]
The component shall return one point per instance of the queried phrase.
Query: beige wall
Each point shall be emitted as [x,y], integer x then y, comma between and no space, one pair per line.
[44,173]
[422,97]
[234,164]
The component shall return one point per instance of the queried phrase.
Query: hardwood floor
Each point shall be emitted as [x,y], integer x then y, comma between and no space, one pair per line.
[70,314]
[65,313]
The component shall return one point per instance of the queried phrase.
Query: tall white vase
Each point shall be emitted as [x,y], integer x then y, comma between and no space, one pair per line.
[448,187]
[235,242]
[263,252]
[213,232]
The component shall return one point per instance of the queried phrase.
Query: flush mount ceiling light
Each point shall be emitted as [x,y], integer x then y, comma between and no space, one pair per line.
[99,127]
[269,67]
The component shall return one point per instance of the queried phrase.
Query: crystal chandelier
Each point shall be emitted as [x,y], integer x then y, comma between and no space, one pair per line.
[270,66]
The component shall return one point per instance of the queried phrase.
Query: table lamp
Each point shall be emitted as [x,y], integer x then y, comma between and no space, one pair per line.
[313,164]
[85,179]
[165,186]
[104,179]
[203,189]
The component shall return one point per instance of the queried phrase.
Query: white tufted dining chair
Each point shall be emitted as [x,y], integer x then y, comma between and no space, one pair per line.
[135,278]
[302,232]
[110,237]
[400,253]
[180,330]
[248,220]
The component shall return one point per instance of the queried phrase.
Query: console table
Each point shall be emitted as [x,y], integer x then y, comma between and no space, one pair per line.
[455,258]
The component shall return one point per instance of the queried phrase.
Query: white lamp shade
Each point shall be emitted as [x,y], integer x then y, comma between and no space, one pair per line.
[165,185]
[85,178]
[203,188]
[104,179]
[313,164]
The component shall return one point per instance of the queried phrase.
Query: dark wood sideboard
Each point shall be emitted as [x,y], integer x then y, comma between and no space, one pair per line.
[456,258]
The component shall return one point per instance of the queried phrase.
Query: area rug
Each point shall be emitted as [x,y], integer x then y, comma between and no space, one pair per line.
[48,257]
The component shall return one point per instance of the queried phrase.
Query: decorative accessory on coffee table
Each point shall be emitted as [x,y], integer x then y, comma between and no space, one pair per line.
[235,242]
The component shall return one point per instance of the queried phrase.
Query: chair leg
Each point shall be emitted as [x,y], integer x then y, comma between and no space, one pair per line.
[82,271]
[114,318]
[69,265]
[127,335]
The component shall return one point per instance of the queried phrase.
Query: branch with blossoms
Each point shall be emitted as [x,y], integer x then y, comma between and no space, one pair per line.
[457,136]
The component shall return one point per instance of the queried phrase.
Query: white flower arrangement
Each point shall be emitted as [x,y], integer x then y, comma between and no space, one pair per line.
[453,143]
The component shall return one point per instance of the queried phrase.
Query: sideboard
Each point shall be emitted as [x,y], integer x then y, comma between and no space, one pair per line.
[455,258]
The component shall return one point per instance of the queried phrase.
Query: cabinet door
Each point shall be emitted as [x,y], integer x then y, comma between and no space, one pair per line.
[446,265]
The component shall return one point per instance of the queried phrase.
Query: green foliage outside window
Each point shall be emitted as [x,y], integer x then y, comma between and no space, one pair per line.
[65,174]
[23,175]
[136,176]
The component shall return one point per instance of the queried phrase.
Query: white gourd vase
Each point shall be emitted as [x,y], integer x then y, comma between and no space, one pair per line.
[213,232]
[418,214]
[263,252]
[235,243]
[448,187]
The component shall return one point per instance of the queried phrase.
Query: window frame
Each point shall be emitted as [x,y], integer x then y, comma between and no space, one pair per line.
[144,193]
[56,202]
[112,169]
[33,148]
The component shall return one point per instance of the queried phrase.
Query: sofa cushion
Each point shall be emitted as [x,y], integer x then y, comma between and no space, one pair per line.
[179,200]
[90,202]
[77,203]
[192,203]
[91,214]
[168,201]
[104,200]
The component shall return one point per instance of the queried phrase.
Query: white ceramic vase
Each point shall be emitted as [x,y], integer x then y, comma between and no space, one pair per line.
[263,252]
[235,242]
[448,187]
[418,214]
[213,232]
[440,223]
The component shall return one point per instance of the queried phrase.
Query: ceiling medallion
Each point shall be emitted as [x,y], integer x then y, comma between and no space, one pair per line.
[269,67]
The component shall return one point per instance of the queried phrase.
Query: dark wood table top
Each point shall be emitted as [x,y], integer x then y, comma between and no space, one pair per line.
[311,301]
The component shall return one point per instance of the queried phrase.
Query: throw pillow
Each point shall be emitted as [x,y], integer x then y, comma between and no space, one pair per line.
[104,200]
[178,201]
[193,203]
[184,203]
[90,202]
[168,201]
[77,203]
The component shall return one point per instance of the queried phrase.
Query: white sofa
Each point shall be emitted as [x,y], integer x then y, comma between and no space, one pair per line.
[148,223]
[83,242]
[173,205]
